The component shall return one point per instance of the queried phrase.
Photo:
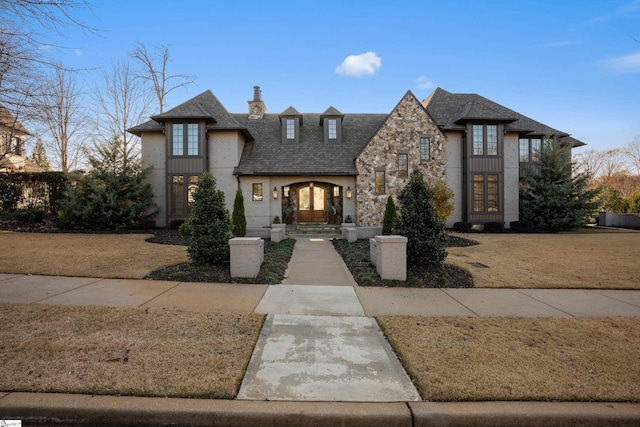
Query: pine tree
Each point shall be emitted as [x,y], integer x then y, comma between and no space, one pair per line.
[553,197]
[238,219]
[209,224]
[419,223]
[113,195]
[390,217]
[39,155]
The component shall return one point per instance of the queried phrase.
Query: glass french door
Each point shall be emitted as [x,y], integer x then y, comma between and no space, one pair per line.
[311,204]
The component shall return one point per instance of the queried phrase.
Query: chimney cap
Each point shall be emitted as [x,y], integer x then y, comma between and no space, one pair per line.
[257,93]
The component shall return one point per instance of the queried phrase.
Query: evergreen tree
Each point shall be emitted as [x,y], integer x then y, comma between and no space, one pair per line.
[39,155]
[209,225]
[238,219]
[419,222]
[553,197]
[113,195]
[632,204]
[390,217]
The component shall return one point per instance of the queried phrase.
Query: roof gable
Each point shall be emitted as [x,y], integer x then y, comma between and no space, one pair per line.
[453,111]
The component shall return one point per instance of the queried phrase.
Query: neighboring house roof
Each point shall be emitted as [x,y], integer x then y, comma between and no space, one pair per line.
[451,112]
[8,121]
[269,155]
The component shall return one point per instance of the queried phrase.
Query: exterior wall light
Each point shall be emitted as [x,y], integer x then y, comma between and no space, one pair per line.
[349,193]
[274,193]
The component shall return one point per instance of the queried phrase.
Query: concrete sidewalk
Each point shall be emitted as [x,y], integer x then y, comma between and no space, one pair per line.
[318,312]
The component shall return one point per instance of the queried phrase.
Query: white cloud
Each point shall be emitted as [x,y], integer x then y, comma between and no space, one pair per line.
[424,83]
[365,64]
[625,63]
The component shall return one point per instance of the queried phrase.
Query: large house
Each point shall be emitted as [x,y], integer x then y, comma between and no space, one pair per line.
[325,167]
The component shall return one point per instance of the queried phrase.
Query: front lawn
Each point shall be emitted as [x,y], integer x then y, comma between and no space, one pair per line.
[124,351]
[547,359]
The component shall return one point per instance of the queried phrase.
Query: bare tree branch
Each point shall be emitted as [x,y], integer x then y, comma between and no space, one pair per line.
[154,71]
[632,150]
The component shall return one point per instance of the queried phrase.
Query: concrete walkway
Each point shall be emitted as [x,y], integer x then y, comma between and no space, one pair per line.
[320,355]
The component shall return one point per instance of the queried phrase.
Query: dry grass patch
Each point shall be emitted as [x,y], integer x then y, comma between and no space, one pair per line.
[477,359]
[99,350]
[116,256]
[572,260]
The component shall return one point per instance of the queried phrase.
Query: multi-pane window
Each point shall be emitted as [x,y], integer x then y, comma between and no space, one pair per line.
[485,140]
[492,140]
[291,129]
[336,191]
[178,140]
[425,148]
[178,202]
[182,188]
[185,139]
[256,192]
[332,128]
[529,149]
[478,140]
[403,164]
[486,193]
[380,182]
[192,139]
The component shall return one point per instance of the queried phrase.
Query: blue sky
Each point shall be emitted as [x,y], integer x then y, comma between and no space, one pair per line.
[573,65]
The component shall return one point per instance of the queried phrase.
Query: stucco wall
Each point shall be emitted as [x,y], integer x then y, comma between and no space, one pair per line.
[453,175]
[401,132]
[511,179]
[153,154]
[225,149]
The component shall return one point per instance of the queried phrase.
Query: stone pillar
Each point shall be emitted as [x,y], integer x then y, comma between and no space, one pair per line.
[373,252]
[391,257]
[247,254]
[278,232]
[352,234]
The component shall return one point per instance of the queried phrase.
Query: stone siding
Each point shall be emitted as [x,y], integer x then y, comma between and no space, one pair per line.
[401,132]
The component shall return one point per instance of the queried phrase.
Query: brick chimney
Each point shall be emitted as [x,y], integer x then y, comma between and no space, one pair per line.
[256,106]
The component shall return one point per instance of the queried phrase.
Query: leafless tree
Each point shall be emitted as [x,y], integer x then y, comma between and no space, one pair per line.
[590,162]
[153,70]
[613,162]
[632,150]
[121,103]
[25,32]
[64,118]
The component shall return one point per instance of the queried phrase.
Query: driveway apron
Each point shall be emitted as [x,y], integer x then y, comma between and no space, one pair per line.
[317,344]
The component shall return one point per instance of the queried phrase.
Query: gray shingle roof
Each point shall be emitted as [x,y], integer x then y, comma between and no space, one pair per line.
[269,155]
[451,111]
[202,107]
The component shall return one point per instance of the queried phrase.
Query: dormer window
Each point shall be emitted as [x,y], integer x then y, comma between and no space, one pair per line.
[332,128]
[331,121]
[291,120]
[291,128]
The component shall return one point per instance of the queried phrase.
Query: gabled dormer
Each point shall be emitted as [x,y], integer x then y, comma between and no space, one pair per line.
[331,121]
[291,120]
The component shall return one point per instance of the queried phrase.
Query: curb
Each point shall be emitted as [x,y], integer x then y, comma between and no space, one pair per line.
[61,409]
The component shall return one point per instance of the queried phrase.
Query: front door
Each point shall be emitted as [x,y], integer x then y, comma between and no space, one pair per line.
[311,204]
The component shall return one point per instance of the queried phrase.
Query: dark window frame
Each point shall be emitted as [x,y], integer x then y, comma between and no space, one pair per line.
[425,154]
[481,145]
[380,181]
[186,147]
[181,196]
[403,165]
[486,193]
[257,196]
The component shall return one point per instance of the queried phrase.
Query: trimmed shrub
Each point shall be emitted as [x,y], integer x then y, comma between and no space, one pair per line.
[419,223]
[238,219]
[209,225]
[390,217]
[463,227]
[494,227]
[521,226]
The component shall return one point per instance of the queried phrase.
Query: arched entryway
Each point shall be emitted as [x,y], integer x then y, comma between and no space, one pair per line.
[312,202]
